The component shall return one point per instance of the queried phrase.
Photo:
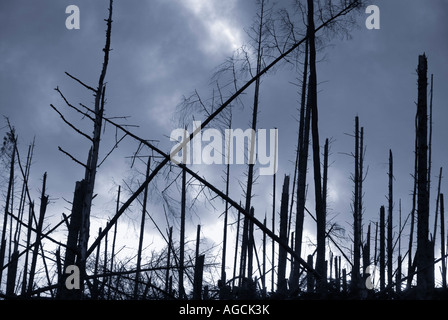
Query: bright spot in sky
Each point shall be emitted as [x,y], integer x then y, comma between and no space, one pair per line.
[223,34]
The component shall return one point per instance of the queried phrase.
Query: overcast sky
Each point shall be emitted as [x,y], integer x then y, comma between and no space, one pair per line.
[164,49]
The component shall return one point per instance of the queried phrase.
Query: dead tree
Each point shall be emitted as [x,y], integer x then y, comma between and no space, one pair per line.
[43,208]
[85,188]
[390,246]
[281,279]
[442,240]
[366,254]
[312,104]
[251,157]
[226,211]
[168,261]
[182,237]
[142,232]
[411,263]
[302,155]
[382,250]
[274,178]
[425,249]
[8,197]
[437,206]
[112,255]
[355,284]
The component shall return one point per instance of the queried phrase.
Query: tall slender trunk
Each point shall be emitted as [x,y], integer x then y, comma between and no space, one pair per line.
[182,237]
[390,248]
[274,178]
[168,261]
[366,252]
[414,199]
[325,177]
[263,275]
[382,250]
[250,246]
[430,147]
[236,246]
[43,208]
[92,163]
[28,241]
[437,206]
[442,240]
[356,217]
[142,232]
[312,103]
[302,154]
[250,173]
[425,282]
[112,255]
[5,217]
[95,292]
[224,240]
[281,280]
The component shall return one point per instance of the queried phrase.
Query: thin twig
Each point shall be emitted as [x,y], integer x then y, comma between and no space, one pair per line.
[82,83]
[73,158]
[72,126]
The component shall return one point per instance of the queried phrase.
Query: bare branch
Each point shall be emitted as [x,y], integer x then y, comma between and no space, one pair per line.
[71,157]
[72,126]
[82,83]
[73,107]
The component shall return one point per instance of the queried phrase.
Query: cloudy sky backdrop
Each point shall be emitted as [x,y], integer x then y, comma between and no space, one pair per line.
[163,50]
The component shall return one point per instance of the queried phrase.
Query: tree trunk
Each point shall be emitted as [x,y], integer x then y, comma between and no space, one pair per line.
[12,273]
[112,255]
[43,208]
[424,263]
[312,103]
[309,277]
[437,206]
[198,271]
[91,167]
[414,198]
[274,178]
[142,232]
[182,237]
[356,218]
[281,280]
[382,250]
[366,254]
[390,225]
[442,240]
[5,217]
[251,157]
[168,261]
[302,148]
[28,240]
